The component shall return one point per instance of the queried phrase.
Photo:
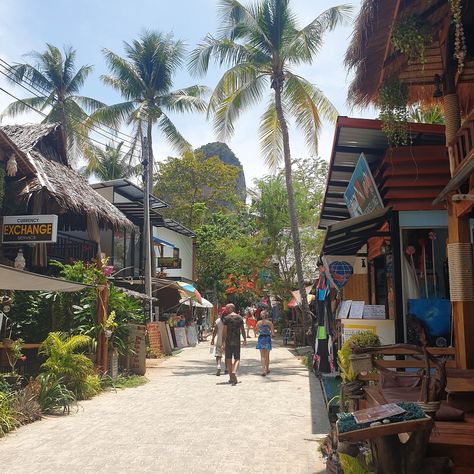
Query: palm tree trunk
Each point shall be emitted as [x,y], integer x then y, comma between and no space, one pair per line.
[151,171]
[291,207]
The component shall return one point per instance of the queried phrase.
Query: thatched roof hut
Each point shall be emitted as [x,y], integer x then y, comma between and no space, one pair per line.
[372,58]
[44,174]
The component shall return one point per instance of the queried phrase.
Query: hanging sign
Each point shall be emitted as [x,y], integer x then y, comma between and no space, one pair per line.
[362,195]
[169,262]
[29,229]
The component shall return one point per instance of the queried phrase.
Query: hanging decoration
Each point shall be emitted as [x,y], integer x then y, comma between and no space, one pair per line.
[432,237]
[12,166]
[460,49]
[410,251]
[340,272]
[20,262]
[422,244]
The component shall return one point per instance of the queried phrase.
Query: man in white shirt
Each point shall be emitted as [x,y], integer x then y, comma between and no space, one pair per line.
[218,330]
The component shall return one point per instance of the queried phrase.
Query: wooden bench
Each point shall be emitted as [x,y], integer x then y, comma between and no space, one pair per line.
[451,439]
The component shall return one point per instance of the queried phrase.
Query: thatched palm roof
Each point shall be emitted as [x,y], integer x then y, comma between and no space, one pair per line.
[372,59]
[41,158]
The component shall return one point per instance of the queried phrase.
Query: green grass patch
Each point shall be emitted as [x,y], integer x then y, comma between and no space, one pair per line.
[124,381]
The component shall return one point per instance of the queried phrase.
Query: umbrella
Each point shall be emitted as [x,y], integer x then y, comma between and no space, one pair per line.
[204,303]
[188,291]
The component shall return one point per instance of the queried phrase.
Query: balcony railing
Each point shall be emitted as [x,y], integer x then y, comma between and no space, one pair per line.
[72,248]
[461,149]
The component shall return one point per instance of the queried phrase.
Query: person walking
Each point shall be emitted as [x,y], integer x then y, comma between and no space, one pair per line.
[233,328]
[265,332]
[218,331]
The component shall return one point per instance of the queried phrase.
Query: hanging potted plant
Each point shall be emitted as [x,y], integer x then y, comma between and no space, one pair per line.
[392,101]
[14,353]
[411,36]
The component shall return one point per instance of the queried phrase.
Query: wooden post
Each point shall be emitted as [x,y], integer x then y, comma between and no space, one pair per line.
[102,302]
[463,311]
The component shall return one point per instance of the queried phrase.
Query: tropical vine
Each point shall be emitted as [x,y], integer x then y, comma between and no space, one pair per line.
[411,36]
[460,49]
[392,100]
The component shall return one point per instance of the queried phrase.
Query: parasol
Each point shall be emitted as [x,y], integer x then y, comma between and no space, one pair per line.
[188,291]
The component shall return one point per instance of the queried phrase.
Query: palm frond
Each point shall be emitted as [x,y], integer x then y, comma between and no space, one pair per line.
[75,84]
[307,42]
[129,83]
[172,134]
[271,137]
[88,103]
[114,115]
[225,52]
[29,73]
[239,88]
[22,106]
[307,104]
[189,99]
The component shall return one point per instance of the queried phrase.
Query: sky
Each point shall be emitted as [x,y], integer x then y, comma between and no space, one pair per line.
[91,25]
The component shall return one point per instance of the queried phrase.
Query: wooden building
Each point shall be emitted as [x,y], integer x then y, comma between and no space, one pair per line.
[442,73]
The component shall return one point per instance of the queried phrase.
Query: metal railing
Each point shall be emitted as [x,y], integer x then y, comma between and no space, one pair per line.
[68,247]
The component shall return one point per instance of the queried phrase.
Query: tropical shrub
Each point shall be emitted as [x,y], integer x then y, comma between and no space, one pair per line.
[64,362]
[360,339]
[7,420]
[53,396]
[25,406]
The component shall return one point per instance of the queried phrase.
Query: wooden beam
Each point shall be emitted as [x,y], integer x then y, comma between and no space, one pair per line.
[463,203]
[463,311]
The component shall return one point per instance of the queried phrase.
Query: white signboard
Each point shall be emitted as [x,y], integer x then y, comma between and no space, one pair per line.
[357,309]
[344,309]
[375,311]
[30,229]
[181,339]
[191,334]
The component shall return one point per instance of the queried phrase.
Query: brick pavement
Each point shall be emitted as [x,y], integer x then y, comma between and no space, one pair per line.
[185,420]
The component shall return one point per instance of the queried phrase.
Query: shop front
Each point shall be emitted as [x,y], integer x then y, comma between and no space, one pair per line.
[380,221]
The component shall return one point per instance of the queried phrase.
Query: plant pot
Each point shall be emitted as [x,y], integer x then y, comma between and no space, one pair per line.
[430,408]
[7,343]
[361,363]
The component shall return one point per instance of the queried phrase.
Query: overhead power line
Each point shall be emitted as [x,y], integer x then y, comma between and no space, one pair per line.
[44,92]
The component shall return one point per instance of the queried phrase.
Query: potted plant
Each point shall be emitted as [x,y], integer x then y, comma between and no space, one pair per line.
[14,353]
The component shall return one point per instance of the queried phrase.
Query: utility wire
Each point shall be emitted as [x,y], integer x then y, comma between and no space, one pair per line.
[43,91]
[44,115]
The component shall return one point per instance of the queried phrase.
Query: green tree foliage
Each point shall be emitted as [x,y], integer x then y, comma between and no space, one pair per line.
[197,187]
[109,163]
[270,209]
[426,114]
[261,45]
[227,245]
[56,73]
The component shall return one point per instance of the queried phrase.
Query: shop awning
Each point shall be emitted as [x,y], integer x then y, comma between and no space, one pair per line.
[158,241]
[348,236]
[456,181]
[13,279]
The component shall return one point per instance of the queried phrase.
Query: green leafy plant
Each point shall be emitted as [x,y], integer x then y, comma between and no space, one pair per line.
[53,396]
[123,381]
[351,465]
[360,339]
[25,406]
[411,36]
[7,420]
[14,353]
[392,100]
[64,362]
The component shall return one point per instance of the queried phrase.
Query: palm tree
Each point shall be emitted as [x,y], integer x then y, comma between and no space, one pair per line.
[109,163]
[144,78]
[56,74]
[422,114]
[261,44]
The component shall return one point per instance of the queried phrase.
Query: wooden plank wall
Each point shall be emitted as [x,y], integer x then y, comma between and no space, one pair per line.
[357,288]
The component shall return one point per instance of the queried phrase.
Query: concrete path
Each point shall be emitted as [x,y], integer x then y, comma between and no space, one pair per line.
[185,420]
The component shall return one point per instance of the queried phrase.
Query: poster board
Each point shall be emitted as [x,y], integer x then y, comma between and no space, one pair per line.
[362,195]
[377,413]
[343,312]
[154,338]
[181,339]
[385,329]
[357,310]
[170,336]
[191,334]
[136,359]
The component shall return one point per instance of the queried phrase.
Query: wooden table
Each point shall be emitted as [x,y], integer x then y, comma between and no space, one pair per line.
[460,385]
